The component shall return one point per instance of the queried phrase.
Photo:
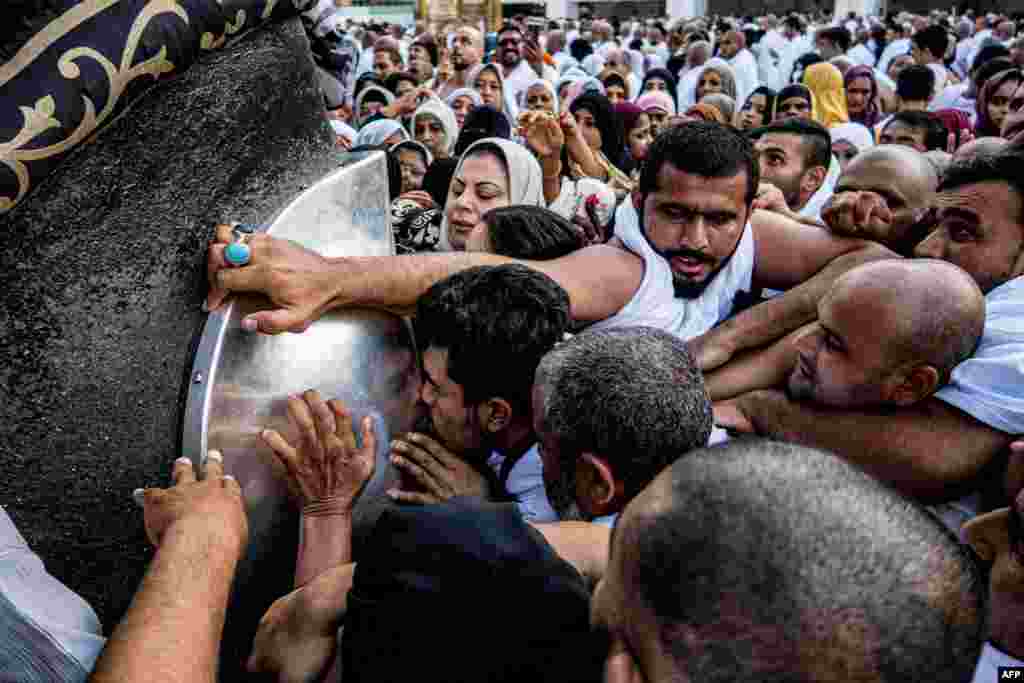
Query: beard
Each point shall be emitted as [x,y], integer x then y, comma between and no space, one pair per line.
[684,288]
[562,496]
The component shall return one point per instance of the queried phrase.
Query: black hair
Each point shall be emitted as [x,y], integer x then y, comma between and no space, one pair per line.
[615,78]
[933,39]
[508,28]
[770,97]
[612,137]
[794,547]
[367,79]
[817,141]
[496,322]
[936,135]
[580,49]
[990,69]
[392,81]
[800,65]
[531,232]
[702,148]
[837,35]
[482,122]
[916,83]
[987,54]
[428,43]
[438,178]
[1002,167]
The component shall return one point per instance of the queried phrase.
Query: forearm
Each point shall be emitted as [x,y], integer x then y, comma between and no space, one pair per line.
[755,369]
[324,542]
[762,324]
[581,153]
[173,628]
[394,283]
[552,174]
[929,451]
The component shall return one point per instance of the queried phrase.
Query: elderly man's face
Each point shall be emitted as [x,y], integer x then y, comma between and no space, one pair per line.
[695,224]
[979,227]
[559,476]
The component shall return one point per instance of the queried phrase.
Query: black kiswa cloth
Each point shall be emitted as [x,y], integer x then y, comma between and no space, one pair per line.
[466,592]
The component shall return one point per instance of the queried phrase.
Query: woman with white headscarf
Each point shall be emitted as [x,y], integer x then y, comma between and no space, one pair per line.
[462,101]
[487,80]
[434,125]
[492,173]
[381,132]
[539,95]
[715,76]
[371,100]
[849,140]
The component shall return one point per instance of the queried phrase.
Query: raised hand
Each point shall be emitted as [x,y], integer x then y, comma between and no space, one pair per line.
[858,214]
[325,467]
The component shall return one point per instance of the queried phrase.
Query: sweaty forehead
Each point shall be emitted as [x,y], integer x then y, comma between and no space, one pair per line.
[701,193]
[990,201]
[791,144]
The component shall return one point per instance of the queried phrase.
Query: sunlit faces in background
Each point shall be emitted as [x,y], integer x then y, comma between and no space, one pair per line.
[539,98]
[857,95]
[489,87]
[414,167]
[588,127]
[461,106]
[430,132]
[754,113]
[640,138]
[655,85]
[615,92]
[710,83]
[793,108]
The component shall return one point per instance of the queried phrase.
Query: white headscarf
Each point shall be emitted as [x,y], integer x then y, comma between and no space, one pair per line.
[417,147]
[525,179]
[443,113]
[854,133]
[510,109]
[376,132]
[388,99]
[524,93]
[464,92]
[720,66]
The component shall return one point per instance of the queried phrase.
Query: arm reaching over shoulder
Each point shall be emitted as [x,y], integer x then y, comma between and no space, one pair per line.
[303,285]
[790,256]
[173,628]
[757,369]
[930,451]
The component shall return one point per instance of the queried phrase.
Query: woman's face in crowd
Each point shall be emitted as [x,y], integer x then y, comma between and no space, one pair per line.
[403,88]
[754,112]
[640,137]
[794,108]
[480,185]
[655,84]
[899,64]
[588,126]
[431,133]
[615,93]
[539,98]
[845,152]
[461,107]
[659,120]
[857,95]
[413,167]
[490,89]
[999,102]
[710,83]
[368,109]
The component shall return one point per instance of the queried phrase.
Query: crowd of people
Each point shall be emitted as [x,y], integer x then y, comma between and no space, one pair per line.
[722,353]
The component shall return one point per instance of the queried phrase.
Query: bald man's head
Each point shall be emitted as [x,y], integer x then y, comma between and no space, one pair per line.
[905,178]
[980,147]
[760,560]
[889,333]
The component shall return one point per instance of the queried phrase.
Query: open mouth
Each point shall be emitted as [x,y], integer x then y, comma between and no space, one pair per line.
[688,266]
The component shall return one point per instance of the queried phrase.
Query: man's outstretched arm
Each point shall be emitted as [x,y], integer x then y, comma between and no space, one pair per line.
[600,280]
[930,451]
[798,258]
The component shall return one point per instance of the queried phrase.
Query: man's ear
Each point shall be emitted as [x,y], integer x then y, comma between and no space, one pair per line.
[988,534]
[596,487]
[919,384]
[495,414]
[812,179]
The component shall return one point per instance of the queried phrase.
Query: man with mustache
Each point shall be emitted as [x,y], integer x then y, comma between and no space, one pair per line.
[467,51]
[522,61]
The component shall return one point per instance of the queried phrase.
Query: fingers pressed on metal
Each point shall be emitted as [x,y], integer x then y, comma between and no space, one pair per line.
[322,414]
[277,442]
[302,418]
[343,419]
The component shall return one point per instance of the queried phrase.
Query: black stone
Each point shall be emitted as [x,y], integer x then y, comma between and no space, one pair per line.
[102,273]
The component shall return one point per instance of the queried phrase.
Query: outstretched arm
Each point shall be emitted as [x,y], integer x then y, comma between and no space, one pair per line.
[756,369]
[789,256]
[173,628]
[930,451]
